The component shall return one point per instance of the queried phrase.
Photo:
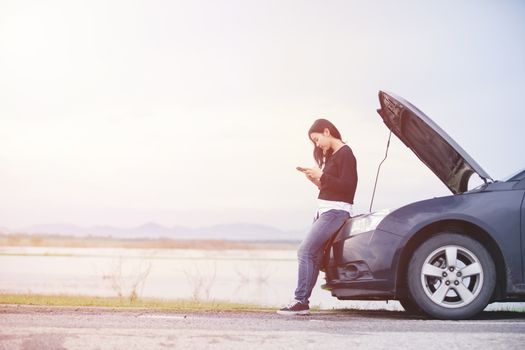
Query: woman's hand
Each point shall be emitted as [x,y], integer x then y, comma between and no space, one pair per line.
[314,173]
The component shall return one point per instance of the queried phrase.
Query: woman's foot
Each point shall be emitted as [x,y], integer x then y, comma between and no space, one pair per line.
[295,308]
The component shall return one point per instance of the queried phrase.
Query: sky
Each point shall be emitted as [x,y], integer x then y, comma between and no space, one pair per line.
[195,113]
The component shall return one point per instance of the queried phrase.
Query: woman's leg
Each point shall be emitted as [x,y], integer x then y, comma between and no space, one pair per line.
[310,251]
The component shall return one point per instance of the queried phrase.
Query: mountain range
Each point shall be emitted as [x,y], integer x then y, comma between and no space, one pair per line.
[235,231]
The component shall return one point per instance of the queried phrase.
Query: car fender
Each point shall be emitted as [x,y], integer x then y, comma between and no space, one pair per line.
[496,214]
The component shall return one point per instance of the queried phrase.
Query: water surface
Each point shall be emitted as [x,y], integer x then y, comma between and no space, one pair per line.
[262,277]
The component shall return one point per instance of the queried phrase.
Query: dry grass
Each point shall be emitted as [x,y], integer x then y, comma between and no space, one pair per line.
[78,300]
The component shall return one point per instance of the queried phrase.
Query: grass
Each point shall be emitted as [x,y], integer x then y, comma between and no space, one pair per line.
[503,307]
[157,304]
[167,305]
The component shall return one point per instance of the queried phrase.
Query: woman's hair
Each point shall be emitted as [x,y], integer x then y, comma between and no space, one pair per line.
[318,126]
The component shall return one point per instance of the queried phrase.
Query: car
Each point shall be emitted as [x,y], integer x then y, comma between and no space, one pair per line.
[446,257]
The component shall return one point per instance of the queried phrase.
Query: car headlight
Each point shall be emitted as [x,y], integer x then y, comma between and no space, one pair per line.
[368,222]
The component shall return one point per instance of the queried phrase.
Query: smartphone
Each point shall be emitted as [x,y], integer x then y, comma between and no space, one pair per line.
[301,169]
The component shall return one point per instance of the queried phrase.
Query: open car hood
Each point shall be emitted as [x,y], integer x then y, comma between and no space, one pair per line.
[429,142]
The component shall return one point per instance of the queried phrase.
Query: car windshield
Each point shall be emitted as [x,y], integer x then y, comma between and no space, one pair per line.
[518,175]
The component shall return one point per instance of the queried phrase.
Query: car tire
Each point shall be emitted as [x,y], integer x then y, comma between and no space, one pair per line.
[410,307]
[451,276]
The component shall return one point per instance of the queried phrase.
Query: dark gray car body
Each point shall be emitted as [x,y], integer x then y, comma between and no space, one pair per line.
[373,264]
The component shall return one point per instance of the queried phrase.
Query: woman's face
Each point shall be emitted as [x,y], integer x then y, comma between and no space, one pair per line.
[321,140]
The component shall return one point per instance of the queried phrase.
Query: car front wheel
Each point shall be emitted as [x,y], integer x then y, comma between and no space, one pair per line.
[410,307]
[451,276]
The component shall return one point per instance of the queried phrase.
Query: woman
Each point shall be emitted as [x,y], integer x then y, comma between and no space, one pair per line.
[337,182]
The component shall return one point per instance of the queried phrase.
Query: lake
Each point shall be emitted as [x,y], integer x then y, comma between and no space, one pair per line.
[262,277]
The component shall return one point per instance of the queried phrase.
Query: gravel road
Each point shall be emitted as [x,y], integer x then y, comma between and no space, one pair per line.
[32,327]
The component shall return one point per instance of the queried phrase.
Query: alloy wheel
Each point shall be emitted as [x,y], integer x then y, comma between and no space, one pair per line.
[452,276]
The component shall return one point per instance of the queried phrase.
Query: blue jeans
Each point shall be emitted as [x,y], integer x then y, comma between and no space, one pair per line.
[310,252]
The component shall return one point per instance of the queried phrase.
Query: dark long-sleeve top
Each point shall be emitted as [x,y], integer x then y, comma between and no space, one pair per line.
[339,180]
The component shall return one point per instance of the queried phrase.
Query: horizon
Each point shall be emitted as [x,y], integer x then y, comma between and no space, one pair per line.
[195,114]
[153,231]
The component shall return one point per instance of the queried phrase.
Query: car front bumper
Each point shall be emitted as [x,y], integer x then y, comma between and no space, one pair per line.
[362,266]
